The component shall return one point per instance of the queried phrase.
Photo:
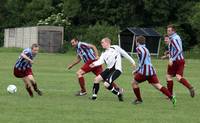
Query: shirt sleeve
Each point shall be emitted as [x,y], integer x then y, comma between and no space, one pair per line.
[100,61]
[125,54]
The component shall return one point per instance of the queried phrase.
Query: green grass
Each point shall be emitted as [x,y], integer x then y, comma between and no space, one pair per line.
[59,105]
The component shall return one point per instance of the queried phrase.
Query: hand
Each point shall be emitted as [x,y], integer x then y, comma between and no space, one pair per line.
[31,61]
[69,66]
[170,63]
[92,65]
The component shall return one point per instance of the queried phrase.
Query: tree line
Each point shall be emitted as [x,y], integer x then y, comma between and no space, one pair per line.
[92,19]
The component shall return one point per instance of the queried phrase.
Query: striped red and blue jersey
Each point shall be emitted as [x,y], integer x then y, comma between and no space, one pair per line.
[85,52]
[22,63]
[175,48]
[144,60]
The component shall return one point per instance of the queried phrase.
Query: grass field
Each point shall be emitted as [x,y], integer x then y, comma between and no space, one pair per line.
[59,105]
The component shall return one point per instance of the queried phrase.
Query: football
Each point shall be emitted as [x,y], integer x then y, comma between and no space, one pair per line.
[12,89]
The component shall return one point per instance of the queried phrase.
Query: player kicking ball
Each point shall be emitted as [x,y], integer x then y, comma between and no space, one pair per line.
[145,71]
[22,69]
[112,58]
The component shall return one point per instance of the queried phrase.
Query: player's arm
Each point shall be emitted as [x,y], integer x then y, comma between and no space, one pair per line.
[26,57]
[125,54]
[100,61]
[76,61]
[95,50]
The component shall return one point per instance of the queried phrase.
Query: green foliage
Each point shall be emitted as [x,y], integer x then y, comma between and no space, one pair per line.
[71,7]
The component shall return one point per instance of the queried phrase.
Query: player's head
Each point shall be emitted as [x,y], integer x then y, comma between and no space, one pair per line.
[74,42]
[171,29]
[35,48]
[105,43]
[166,39]
[140,40]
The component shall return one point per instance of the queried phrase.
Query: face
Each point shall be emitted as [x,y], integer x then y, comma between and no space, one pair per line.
[74,43]
[166,40]
[35,50]
[170,31]
[105,44]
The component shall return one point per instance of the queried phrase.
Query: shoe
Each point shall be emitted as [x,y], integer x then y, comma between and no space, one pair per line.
[39,92]
[80,93]
[137,102]
[173,101]
[120,97]
[94,97]
[192,92]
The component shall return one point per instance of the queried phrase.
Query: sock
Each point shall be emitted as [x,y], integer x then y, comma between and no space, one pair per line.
[82,84]
[95,88]
[166,92]
[137,93]
[29,91]
[113,90]
[35,86]
[170,86]
[185,83]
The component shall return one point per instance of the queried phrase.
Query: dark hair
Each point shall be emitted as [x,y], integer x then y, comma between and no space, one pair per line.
[141,39]
[166,35]
[34,46]
[75,39]
[172,26]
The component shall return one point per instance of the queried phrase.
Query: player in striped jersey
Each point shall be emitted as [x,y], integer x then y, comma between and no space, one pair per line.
[176,61]
[145,71]
[88,53]
[22,69]
[112,58]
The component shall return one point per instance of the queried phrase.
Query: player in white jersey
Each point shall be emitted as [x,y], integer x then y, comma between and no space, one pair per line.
[112,58]
[145,71]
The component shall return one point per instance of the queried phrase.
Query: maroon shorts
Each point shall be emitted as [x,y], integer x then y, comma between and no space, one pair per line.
[176,68]
[22,73]
[141,78]
[96,70]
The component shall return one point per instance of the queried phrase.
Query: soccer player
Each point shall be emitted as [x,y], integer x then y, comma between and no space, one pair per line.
[176,61]
[166,53]
[22,69]
[88,53]
[112,58]
[145,71]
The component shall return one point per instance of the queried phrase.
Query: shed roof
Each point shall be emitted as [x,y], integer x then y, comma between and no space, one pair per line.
[141,31]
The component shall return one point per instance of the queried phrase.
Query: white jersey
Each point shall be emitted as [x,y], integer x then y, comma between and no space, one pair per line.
[112,57]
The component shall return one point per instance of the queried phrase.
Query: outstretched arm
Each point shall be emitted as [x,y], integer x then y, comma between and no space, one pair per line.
[26,57]
[76,61]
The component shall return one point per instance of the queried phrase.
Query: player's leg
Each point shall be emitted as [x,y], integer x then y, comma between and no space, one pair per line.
[81,81]
[108,84]
[169,77]
[34,84]
[182,80]
[96,86]
[136,89]
[28,86]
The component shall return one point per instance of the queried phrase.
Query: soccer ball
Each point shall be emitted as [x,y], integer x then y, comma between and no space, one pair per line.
[12,89]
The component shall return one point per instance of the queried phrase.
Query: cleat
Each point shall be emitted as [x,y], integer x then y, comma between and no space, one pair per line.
[173,101]
[192,92]
[94,97]
[120,97]
[137,102]
[39,92]
[79,93]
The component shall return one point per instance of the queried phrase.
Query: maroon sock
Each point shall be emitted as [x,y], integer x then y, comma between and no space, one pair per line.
[185,83]
[166,92]
[29,91]
[82,84]
[35,86]
[170,86]
[137,93]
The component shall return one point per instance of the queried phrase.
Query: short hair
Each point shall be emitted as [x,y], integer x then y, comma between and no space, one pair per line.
[141,39]
[34,45]
[172,26]
[107,39]
[75,39]
[166,35]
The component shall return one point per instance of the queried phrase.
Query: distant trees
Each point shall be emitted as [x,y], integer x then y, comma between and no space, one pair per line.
[88,19]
